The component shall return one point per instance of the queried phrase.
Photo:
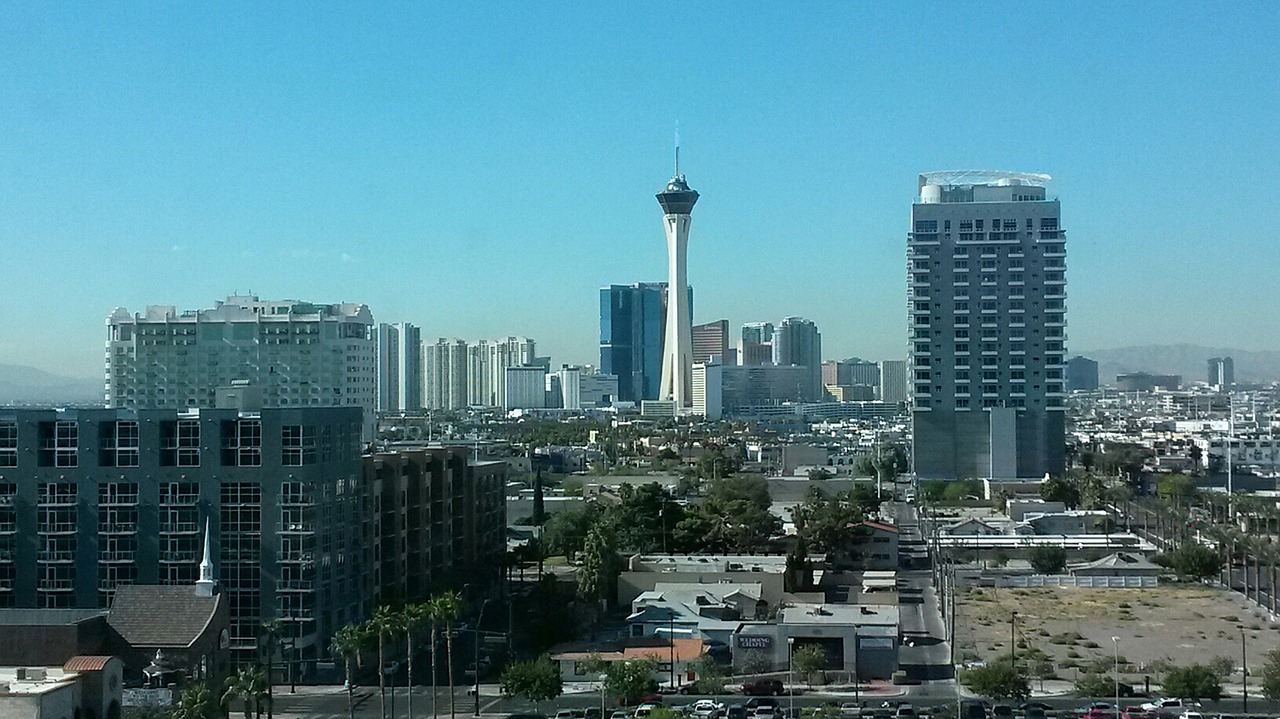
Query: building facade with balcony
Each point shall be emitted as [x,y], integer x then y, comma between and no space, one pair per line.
[94,498]
[986,302]
[437,520]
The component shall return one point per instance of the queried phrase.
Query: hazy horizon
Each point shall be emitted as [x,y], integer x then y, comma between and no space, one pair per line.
[483,172]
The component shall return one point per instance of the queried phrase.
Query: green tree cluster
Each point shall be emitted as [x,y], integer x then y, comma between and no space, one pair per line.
[1271,676]
[1048,559]
[1193,681]
[998,679]
[631,679]
[808,660]
[1193,560]
[537,680]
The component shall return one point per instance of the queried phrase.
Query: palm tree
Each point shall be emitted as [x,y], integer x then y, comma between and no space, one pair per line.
[347,643]
[385,622]
[448,607]
[412,617]
[271,628]
[249,685]
[196,702]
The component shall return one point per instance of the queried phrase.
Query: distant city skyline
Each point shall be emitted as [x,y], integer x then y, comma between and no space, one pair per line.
[482,173]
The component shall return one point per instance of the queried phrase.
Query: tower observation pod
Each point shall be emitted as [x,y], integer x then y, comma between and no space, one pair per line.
[677,352]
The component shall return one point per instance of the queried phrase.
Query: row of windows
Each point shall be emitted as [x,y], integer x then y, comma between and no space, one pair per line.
[119,445]
[930,226]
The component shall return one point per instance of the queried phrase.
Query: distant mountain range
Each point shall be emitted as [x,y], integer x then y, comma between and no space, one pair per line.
[1190,361]
[22,385]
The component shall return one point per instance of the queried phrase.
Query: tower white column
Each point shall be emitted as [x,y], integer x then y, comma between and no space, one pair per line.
[677,351]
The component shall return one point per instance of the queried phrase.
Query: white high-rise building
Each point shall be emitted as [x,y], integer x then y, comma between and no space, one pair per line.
[444,369]
[893,381]
[388,376]
[399,368]
[677,360]
[460,374]
[987,306]
[526,387]
[299,354]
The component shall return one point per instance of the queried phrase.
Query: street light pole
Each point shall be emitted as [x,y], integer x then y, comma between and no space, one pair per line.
[1115,642]
[791,679]
[1244,672]
[1013,641]
[475,635]
[603,677]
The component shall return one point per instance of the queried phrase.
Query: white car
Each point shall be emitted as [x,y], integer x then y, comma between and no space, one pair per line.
[1176,705]
[706,709]
[850,710]
[643,711]
[767,712]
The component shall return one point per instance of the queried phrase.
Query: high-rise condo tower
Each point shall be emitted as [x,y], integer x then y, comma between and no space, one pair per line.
[677,359]
[987,305]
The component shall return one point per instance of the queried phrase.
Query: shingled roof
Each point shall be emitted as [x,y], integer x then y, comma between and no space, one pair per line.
[155,615]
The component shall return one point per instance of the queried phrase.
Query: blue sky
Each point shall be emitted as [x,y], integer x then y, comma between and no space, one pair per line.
[482,169]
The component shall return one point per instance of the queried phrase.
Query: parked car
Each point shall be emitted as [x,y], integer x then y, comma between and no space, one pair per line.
[564,714]
[1136,712]
[706,709]
[592,713]
[763,688]
[850,710]
[1175,704]
[642,711]
[736,711]
[619,714]
[1099,714]
[905,711]
[973,709]
[755,702]
[1002,711]
[767,712]
[1034,712]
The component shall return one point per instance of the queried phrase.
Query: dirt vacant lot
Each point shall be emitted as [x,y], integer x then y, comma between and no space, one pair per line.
[1073,627]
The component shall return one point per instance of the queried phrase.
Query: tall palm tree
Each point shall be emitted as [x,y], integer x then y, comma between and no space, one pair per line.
[249,686]
[271,628]
[412,617]
[449,607]
[433,609]
[385,622]
[196,702]
[348,643]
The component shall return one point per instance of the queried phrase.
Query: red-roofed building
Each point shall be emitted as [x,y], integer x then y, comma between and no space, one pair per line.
[572,657]
[871,545]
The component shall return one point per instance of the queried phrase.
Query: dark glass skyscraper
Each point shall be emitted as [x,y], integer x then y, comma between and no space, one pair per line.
[632,327]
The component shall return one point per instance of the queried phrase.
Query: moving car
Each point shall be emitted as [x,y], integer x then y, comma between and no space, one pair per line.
[763,687]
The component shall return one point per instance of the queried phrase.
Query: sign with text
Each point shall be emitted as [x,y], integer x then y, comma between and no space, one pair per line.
[754,641]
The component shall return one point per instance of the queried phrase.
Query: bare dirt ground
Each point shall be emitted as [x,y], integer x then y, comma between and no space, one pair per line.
[1073,627]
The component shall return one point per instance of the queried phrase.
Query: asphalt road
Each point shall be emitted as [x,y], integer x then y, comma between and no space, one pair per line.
[926,656]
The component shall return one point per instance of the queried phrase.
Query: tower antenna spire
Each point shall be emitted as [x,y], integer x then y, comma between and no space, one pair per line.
[677,148]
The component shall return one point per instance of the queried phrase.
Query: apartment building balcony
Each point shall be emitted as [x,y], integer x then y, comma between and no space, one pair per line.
[57,528]
[295,585]
[117,557]
[129,501]
[56,501]
[6,500]
[297,528]
[6,555]
[56,585]
[56,556]
[1055,283]
[297,557]
[118,528]
[8,527]
[170,557]
[179,528]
